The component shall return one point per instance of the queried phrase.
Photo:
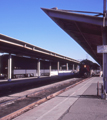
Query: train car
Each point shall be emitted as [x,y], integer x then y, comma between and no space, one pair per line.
[85,67]
[88,68]
[23,66]
[84,70]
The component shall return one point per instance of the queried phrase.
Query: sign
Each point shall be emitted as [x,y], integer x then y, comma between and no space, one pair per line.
[102,49]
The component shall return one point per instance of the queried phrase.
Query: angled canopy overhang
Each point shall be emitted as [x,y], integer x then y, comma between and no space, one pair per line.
[14,46]
[86,30]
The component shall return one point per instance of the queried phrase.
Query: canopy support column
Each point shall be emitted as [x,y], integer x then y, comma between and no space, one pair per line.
[104,54]
[50,69]
[38,68]
[9,67]
[67,66]
[58,66]
[73,68]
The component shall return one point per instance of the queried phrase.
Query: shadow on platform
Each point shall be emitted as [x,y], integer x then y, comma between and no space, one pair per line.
[83,96]
[90,96]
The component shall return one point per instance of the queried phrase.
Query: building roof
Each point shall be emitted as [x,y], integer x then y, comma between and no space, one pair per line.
[85,29]
[14,46]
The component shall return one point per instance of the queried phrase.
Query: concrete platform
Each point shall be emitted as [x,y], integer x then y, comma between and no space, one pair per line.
[33,90]
[78,103]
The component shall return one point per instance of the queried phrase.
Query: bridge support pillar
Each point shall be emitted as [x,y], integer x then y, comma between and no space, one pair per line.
[9,67]
[38,68]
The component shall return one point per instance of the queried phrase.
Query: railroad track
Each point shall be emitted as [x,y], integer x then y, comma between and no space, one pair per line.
[12,108]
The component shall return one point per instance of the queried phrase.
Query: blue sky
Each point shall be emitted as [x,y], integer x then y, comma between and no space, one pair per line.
[24,20]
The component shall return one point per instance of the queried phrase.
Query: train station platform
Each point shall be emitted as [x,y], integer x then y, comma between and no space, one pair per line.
[78,103]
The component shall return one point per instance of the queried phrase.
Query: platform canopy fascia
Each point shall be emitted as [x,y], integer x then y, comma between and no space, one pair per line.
[63,14]
[14,46]
[85,29]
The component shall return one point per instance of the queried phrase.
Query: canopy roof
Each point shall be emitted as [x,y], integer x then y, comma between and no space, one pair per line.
[14,46]
[86,30]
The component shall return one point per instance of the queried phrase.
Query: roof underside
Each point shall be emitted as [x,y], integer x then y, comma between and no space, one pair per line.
[84,29]
[14,46]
